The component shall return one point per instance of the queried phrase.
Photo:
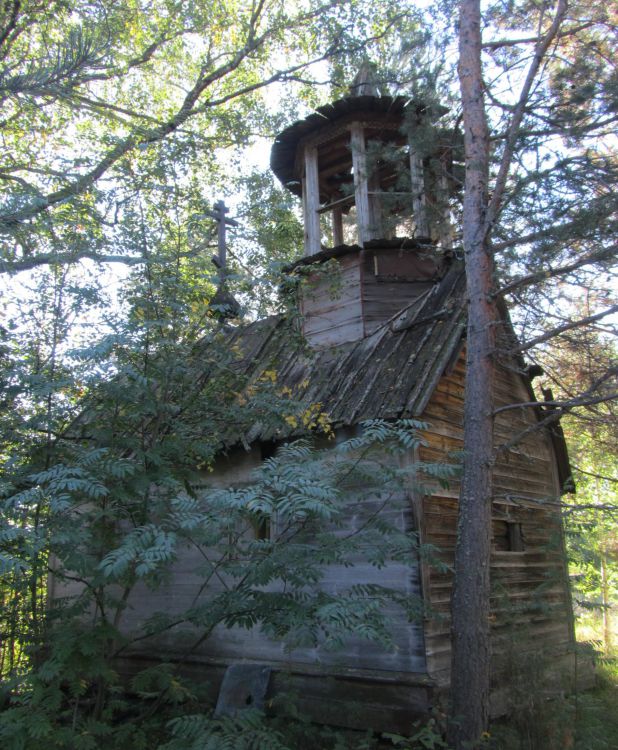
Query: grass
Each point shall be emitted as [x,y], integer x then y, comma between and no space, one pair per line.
[587,720]
[596,721]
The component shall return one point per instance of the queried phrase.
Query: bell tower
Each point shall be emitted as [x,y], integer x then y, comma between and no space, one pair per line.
[375,177]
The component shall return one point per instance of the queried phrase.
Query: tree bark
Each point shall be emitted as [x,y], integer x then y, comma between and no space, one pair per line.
[607,629]
[470,606]
[470,600]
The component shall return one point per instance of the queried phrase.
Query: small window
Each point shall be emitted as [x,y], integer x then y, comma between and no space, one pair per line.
[268,449]
[508,536]
[261,527]
[514,537]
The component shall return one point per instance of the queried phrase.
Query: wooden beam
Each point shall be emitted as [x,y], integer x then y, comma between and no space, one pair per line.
[445,230]
[337,226]
[417,181]
[311,201]
[347,200]
[376,225]
[361,190]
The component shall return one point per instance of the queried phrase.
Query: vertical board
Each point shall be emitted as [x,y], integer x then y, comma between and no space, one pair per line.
[417,180]
[361,187]
[530,599]
[311,201]
[331,305]
[184,587]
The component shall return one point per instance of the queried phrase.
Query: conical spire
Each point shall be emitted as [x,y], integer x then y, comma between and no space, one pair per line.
[365,82]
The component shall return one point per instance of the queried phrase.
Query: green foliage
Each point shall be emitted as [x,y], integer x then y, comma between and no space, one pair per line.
[426,735]
[112,109]
[245,732]
[582,721]
[115,486]
[586,361]
[114,120]
[286,731]
[596,711]
[72,695]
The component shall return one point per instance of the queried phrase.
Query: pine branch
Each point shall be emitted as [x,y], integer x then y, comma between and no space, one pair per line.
[500,43]
[518,114]
[594,257]
[58,76]
[51,259]
[566,404]
[566,327]
[556,414]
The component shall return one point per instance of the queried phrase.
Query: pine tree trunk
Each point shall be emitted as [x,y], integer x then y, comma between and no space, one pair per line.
[607,629]
[470,602]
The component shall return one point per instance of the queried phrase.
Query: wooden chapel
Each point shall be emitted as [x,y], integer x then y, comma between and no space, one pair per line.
[383,313]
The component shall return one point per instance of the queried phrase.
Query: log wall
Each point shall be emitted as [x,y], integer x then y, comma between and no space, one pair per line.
[530,599]
[331,305]
[183,590]
[530,596]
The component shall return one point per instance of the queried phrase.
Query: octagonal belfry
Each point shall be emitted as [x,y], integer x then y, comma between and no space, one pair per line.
[377,164]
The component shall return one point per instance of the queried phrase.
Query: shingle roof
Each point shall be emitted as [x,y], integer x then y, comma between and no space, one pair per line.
[283,153]
[389,374]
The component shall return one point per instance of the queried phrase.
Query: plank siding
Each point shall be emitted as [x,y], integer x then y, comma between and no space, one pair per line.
[407,368]
[382,300]
[529,588]
[331,306]
[367,291]
[233,644]
[391,281]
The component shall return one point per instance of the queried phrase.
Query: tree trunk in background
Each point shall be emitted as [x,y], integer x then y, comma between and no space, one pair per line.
[470,601]
[605,598]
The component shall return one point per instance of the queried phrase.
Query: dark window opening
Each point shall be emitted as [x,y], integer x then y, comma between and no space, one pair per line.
[508,536]
[268,449]
[514,537]
[261,527]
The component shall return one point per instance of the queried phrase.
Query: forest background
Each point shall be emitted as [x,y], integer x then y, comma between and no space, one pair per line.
[122,124]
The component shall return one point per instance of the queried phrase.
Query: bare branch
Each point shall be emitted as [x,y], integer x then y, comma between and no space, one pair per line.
[50,259]
[555,415]
[513,131]
[553,503]
[532,278]
[499,43]
[568,404]
[575,508]
[596,476]
[102,106]
[566,327]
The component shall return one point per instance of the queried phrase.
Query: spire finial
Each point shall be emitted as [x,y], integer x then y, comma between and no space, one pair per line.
[365,83]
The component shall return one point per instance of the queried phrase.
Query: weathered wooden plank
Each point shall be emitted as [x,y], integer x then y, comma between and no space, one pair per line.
[328,297]
[345,314]
[361,188]
[337,224]
[311,201]
[417,181]
[526,578]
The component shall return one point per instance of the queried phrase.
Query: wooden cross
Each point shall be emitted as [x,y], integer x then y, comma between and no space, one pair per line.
[220,209]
